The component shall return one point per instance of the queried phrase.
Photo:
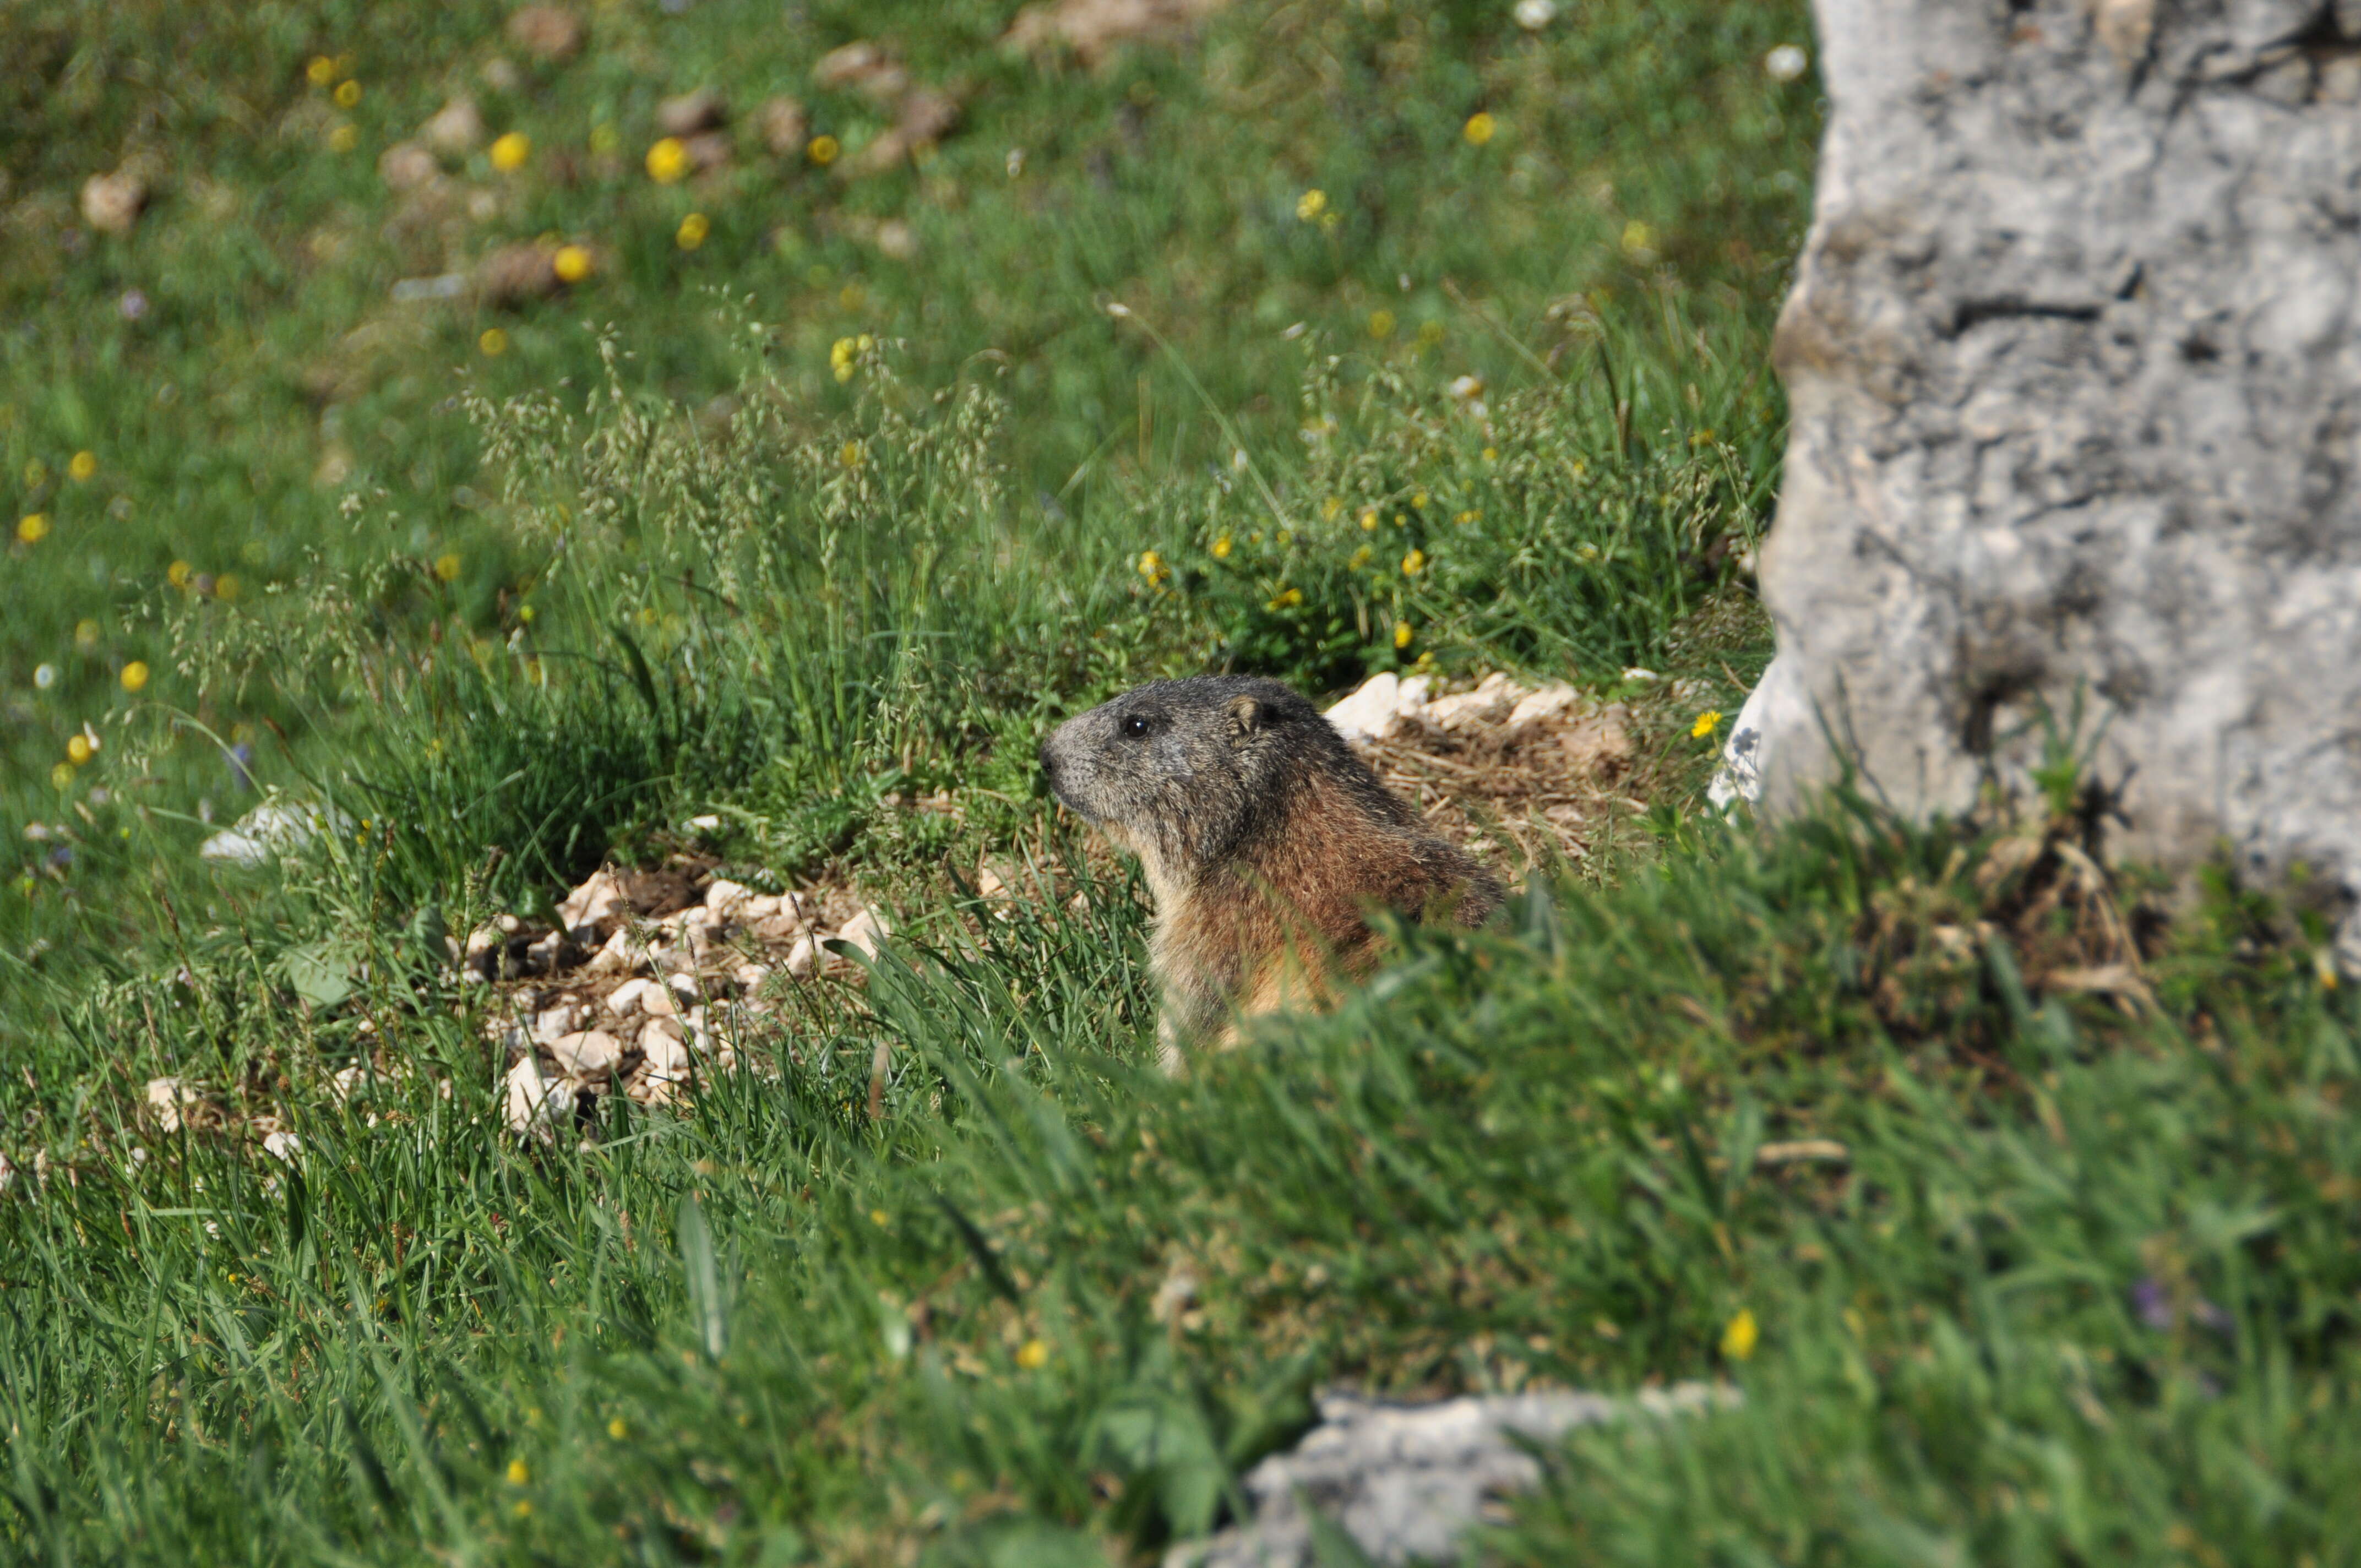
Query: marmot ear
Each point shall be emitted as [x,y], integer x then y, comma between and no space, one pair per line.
[1246,716]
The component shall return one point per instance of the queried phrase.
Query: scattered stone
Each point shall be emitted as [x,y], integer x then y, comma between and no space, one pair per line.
[112,203]
[1405,1481]
[804,957]
[533,1105]
[552,1022]
[864,66]
[516,274]
[501,74]
[282,1146]
[725,897]
[271,829]
[166,1097]
[1490,701]
[622,954]
[688,113]
[587,1054]
[446,286]
[545,32]
[590,910]
[1377,711]
[785,126]
[454,130]
[927,116]
[707,151]
[407,166]
[863,932]
[624,1000]
[1093,28]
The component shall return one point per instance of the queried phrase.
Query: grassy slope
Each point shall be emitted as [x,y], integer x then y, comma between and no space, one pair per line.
[2082,1293]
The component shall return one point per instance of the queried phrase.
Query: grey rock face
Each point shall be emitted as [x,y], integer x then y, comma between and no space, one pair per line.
[1405,1481]
[2075,366]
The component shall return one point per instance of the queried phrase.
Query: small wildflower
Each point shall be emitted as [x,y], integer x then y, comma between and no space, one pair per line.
[1311,204]
[1534,15]
[1414,564]
[1381,324]
[1701,438]
[879,1217]
[667,161]
[1285,537]
[1636,235]
[1432,331]
[525,613]
[226,589]
[343,138]
[1491,455]
[518,1474]
[321,72]
[1033,1356]
[86,633]
[494,343]
[177,573]
[1466,387]
[1221,548]
[1287,599]
[823,151]
[1706,722]
[840,356]
[1785,64]
[134,674]
[1418,499]
[850,455]
[1480,128]
[615,1429]
[1368,519]
[33,527]
[1738,1341]
[1402,634]
[572,263]
[82,466]
[521,1507]
[61,776]
[1331,509]
[511,150]
[447,566]
[1360,558]
[693,230]
[1465,517]
[79,750]
[1152,566]
[348,94]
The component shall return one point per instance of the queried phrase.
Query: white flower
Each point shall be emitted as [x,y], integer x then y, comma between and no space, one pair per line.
[45,676]
[1534,15]
[1785,64]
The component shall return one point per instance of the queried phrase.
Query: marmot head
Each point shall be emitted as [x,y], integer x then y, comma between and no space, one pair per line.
[1182,772]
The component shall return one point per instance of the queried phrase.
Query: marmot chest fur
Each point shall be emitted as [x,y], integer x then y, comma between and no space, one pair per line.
[1265,842]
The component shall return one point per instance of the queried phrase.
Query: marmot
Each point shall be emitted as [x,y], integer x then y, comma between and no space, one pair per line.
[1265,842]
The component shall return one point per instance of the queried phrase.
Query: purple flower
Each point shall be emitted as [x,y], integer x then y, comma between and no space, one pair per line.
[134,304]
[2148,1299]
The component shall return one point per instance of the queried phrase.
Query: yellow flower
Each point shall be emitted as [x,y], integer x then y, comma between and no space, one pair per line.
[1285,537]
[82,464]
[494,343]
[61,776]
[1418,499]
[1151,565]
[1636,235]
[667,161]
[1402,634]
[511,150]
[521,1508]
[343,138]
[447,566]
[1480,128]
[1491,455]
[1738,1341]
[33,527]
[693,230]
[572,263]
[1311,204]
[1360,558]
[518,1474]
[1221,548]
[1331,509]
[525,613]
[1288,598]
[1033,1356]
[86,633]
[1705,724]
[322,70]
[615,1429]
[226,589]
[850,455]
[348,94]
[879,1217]
[1381,324]
[177,573]
[1414,563]
[79,749]
[1701,438]
[134,674]
[35,471]
[823,151]
[1467,516]
[1431,332]
[840,359]
[1368,519]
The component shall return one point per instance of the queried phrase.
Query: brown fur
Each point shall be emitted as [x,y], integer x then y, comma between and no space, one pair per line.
[1265,842]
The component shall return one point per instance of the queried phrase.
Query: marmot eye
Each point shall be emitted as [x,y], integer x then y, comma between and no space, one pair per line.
[1136,725]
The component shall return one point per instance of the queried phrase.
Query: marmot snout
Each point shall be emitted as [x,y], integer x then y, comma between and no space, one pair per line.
[1263,840]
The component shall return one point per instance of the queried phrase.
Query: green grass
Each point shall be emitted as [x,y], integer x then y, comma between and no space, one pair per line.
[2082,1291]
